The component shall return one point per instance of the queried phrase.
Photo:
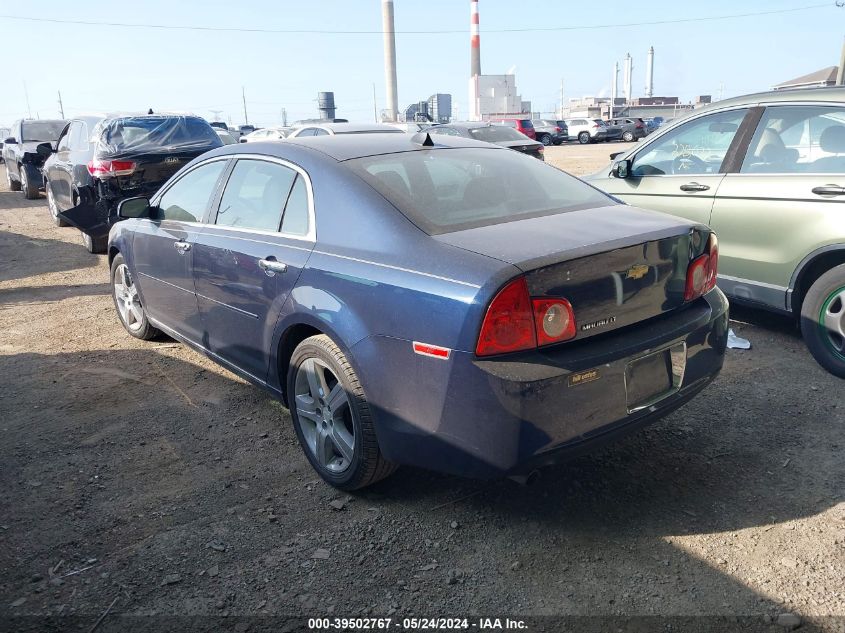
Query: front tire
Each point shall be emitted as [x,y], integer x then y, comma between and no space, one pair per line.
[29,186]
[823,320]
[545,139]
[95,245]
[13,184]
[332,417]
[51,204]
[584,138]
[127,302]
[628,137]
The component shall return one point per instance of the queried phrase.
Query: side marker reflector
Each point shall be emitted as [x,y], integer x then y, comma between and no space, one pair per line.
[432,350]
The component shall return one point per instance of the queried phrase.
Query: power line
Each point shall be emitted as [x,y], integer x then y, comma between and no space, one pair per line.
[589,27]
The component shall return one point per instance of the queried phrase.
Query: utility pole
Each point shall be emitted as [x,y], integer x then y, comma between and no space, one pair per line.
[284,117]
[61,107]
[243,96]
[721,89]
[26,94]
[840,73]
[560,114]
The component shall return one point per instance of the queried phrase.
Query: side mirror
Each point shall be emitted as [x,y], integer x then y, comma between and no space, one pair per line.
[242,140]
[622,168]
[44,149]
[10,141]
[134,208]
[615,154]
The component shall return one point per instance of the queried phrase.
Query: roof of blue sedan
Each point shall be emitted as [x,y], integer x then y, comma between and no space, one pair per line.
[348,146]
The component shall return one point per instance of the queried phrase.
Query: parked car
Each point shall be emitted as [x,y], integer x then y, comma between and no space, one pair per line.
[451,306]
[651,124]
[219,125]
[4,133]
[497,134]
[613,131]
[99,162]
[267,134]
[243,130]
[23,161]
[630,129]
[225,136]
[330,129]
[586,130]
[550,132]
[767,173]
[523,126]
[412,127]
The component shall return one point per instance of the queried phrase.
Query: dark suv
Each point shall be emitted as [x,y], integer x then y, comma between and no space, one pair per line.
[23,161]
[100,161]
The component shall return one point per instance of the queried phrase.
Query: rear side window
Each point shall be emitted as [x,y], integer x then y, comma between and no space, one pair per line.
[255,195]
[449,190]
[295,220]
[188,198]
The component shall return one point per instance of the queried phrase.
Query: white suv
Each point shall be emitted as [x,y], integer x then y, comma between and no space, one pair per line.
[587,130]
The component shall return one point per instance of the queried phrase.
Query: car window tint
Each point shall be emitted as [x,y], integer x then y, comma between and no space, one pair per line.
[295,220]
[255,195]
[798,139]
[450,190]
[187,199]
[697,147]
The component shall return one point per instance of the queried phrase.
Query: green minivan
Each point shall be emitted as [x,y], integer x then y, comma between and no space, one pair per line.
[767,173]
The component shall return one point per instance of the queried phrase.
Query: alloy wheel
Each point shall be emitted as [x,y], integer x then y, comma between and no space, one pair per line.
[127,300]
[832,321]
[24,179]
[51,203]
[324,416]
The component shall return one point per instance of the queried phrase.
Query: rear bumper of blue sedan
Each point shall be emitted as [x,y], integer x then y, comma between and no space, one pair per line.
[489,418]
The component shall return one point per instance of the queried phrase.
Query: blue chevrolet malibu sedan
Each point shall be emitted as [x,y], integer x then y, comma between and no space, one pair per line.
[450,305]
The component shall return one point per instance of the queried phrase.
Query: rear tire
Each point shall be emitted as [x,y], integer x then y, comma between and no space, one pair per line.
[823,320]
[545,139]
[95,245]
[29,185]
[332,417]
[13,184]
[52,206]
[584,138]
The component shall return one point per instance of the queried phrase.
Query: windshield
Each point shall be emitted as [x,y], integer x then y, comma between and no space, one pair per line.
[156,134]
[42,131]
[453,189]
[497,133]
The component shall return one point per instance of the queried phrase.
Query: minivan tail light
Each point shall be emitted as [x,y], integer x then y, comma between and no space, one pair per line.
[701,274]
[515,322]
[109,168]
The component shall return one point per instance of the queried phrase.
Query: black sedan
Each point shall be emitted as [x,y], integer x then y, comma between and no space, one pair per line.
[489,133]
[99,161]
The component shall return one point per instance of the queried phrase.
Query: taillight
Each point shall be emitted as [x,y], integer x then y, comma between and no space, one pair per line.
[557,129]
[515,322]
[638,125]
[596,126]
[701,274]
[109,168]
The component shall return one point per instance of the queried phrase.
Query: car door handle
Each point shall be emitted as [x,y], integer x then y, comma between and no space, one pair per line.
[182,247]
[694,186]
[271,266]
[829,190]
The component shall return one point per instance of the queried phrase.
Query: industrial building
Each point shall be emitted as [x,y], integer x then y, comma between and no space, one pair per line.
[438,109]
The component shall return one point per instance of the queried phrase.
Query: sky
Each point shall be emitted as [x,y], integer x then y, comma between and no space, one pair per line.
[102,68]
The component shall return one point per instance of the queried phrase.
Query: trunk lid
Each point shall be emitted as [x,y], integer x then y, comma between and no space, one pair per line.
[151,171]
[616,265]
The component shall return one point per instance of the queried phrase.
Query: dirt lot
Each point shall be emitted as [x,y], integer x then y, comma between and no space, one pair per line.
[144,478]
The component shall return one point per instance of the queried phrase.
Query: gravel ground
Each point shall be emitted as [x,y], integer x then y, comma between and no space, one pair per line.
[144,478]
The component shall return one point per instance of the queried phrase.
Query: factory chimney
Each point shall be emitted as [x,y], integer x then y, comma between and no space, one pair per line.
[628,69]
[475,62]
[389,58]
[649,73]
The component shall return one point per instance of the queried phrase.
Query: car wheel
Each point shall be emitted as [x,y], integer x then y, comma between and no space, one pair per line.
[51,204]
[627,137]
[30,188]
[128,303]
[545,139]
[13,184]
[332,417]
[823,320]
[584,138]
[95,245]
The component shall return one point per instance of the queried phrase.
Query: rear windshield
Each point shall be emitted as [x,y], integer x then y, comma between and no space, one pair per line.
[453,189]
[42,131]
[526,123]
[393,131]
[156,134]
[496,133]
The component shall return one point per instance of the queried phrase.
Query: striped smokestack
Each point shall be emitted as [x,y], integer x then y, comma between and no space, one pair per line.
[475,40]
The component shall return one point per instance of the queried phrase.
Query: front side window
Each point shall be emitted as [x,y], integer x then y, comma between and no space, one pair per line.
[455,189]
[188,198]
[64,141]
[798,139]
[255,195]
[696,148]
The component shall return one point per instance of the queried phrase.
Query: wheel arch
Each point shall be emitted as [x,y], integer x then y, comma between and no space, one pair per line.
[810,269]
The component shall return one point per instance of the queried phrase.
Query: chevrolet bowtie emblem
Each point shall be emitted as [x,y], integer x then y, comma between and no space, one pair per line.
[636,272]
